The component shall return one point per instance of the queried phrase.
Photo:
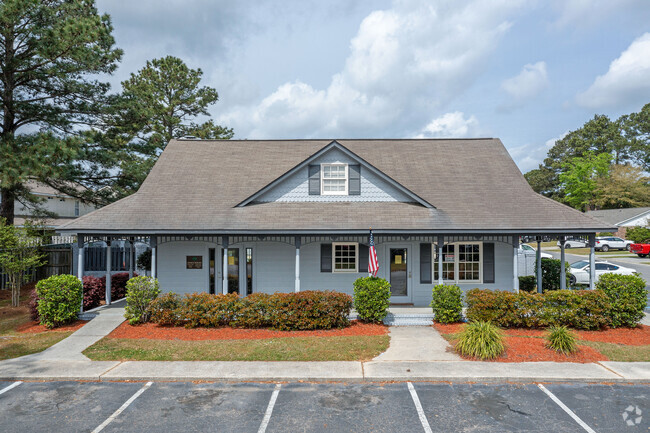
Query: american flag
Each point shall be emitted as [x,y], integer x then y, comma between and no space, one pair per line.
[373,262]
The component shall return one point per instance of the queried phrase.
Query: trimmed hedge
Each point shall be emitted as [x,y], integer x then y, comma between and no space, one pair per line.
[371,298]
[551,274]
[528,283]
[94,291]
[285,311]
[59,299]
[580,309]
[447,303]
[140,292]
[627,298]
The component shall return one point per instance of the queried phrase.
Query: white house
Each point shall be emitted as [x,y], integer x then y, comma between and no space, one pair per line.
[252,216]
[623,218]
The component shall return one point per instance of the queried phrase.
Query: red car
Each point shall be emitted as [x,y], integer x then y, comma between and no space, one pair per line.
[642,249]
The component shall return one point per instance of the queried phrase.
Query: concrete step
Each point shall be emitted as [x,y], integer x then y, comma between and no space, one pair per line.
[402,319]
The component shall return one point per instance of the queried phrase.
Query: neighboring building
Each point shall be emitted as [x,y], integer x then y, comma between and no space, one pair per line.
[623,218]
[285,215]
[66,208]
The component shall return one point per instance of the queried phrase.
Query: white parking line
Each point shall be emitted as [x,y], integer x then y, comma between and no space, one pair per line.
[121,409]
[566,409]
[12,386]
[418,407]
[269,409]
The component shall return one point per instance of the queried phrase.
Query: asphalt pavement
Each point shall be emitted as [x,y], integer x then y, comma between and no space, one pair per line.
[322,407]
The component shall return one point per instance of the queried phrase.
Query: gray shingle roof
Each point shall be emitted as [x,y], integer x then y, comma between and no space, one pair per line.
[616,216]
[196,185]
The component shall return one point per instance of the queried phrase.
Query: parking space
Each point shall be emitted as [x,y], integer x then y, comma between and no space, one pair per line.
[322,407]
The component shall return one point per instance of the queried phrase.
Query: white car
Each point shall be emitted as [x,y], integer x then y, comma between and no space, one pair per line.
[528,248]
[612,243]
[574,243]
[580,271]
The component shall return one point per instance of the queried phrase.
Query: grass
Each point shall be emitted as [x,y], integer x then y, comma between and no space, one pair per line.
[560,339]
[619,352]
[480,340]
[347,348]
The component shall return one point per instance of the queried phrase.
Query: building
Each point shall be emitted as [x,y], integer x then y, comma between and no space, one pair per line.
[290,215]
[623,218]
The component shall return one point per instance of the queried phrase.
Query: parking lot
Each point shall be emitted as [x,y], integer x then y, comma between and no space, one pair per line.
[321,407]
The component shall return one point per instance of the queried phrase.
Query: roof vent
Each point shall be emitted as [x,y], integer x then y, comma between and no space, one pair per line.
[189,137]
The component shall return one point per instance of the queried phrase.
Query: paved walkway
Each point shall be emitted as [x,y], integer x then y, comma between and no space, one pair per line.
[416,343]
[70,349]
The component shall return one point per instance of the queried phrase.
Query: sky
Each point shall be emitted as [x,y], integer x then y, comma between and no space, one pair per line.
[526,72]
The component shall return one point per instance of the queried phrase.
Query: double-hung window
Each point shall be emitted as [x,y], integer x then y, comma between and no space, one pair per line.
[345,256]
[461,262]
[334,179]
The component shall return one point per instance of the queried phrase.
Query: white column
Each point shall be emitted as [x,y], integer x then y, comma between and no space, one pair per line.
[539,264]
[80,266]
[441,241]
[224,270]
[515,263]
[108,271]
[297,285]
[153,242]
[592,262]
[562,264]
[131,257]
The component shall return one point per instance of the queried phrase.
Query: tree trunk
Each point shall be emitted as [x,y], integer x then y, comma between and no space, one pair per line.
[15,292]
[7,206]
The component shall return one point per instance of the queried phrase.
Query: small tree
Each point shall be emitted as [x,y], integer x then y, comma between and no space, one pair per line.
[18,254]
[638,234]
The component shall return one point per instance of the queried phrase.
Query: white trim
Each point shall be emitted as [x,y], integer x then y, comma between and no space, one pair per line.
[456,280]
[356,258]
[322,178]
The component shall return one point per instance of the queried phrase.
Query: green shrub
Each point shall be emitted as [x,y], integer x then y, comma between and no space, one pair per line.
[59,299]
[627,298]
[481,340]
[371,298]
[166,310]
[210,311]
[528,283]
[140,292]
[309,310]
[447,303]
[581,309]
[560,339]
[551,274]
[254,312]
[638,234]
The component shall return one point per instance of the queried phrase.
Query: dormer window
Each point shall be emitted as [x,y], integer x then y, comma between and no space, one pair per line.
[334,179]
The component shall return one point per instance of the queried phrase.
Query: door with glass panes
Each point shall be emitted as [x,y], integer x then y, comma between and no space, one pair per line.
[399,274]
[239,271]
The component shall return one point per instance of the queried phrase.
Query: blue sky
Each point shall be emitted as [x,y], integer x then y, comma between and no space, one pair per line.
[524,71]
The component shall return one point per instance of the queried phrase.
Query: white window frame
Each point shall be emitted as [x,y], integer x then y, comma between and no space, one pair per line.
[76,208]
[356,258]
[322,178]
[456,280]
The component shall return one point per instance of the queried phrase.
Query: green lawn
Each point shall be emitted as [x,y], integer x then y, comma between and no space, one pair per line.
[619,352]
[348,348]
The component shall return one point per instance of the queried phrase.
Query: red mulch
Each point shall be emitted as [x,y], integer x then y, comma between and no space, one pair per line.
[526,345]
[36,327]
[155,332]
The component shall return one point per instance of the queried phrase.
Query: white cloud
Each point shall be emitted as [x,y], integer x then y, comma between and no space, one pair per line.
[453,125]
[529,156]
[626,82]
[588,13]
[405,62]
[530,82]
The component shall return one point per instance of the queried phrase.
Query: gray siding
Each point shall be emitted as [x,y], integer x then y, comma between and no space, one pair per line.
[173,276]
[296,187]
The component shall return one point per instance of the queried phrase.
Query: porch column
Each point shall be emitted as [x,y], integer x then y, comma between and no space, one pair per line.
[562,263]
[108,271]
[297,287]
[224,271]
[515,263]
[539,264]
[153,243]
[441,241]
[592,262]
[80,266]
[131,257]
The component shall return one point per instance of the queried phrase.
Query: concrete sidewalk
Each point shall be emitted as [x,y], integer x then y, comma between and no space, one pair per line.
[107,319]
[417,343]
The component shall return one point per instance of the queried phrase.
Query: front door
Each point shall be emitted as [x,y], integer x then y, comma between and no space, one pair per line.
[399,276]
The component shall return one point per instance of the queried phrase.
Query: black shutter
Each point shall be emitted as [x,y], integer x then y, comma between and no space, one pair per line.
[425,263]
[488,262]
[363,258]
[326,257]
[354,182]
[314,179]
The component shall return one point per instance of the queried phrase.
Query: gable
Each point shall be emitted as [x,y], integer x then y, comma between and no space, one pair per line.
[295,187]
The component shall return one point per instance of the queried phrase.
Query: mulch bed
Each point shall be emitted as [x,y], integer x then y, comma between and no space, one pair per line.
[526,345]
[36,327]
[152,331]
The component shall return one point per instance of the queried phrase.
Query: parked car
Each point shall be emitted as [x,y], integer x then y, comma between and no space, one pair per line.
[574,243]
[528,248]
[642,249]
[580,271]
[612,243]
